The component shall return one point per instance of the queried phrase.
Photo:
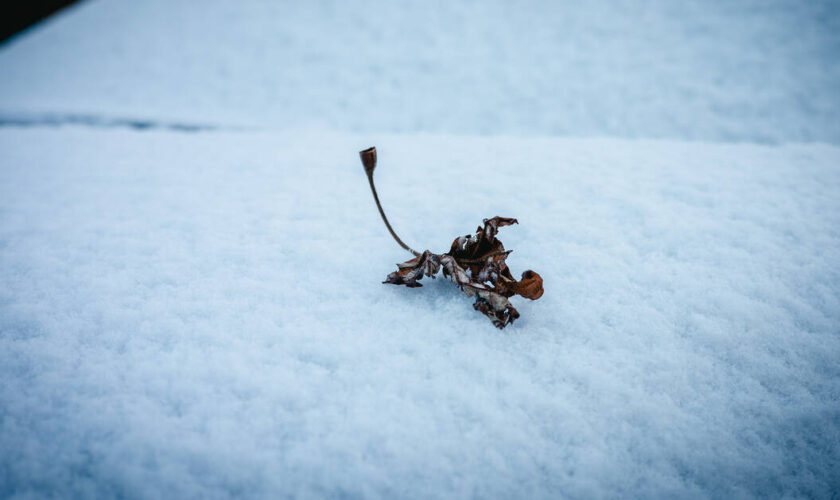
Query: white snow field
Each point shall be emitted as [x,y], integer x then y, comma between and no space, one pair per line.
[201,315]
[745,70]
[191,261]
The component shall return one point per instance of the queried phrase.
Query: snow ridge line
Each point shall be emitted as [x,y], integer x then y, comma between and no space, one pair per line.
[95,121]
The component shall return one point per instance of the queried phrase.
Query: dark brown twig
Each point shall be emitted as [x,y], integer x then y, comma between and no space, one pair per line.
[368,157]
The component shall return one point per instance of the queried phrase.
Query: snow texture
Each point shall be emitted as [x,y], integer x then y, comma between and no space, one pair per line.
[200,315]
[753,70]
[190,258]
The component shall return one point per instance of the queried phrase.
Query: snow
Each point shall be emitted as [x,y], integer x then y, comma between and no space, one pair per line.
[190,258]
[753,70]
[201,315]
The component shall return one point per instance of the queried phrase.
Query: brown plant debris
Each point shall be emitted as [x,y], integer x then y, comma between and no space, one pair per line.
[475,263]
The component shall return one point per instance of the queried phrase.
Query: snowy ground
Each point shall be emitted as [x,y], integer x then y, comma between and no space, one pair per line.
[190,261]
[201,313]
[749,70]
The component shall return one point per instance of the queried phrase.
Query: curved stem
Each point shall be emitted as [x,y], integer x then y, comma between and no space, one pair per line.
[369,161]
[385,219]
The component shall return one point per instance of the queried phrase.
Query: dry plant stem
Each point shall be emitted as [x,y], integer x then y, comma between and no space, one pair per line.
[368,157]
[475,263]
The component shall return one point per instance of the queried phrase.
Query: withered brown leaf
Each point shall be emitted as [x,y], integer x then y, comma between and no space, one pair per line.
[475,263]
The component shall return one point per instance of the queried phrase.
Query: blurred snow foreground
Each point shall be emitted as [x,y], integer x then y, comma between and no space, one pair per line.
[190,261]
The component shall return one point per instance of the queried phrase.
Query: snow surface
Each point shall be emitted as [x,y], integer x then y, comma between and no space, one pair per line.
[200,315]
[190,259]
[753,70]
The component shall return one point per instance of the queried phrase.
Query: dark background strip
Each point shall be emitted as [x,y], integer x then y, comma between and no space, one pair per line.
[16,16]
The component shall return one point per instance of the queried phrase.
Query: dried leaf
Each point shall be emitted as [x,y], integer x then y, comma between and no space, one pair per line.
[408,273]
[476,263]
[530,286]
